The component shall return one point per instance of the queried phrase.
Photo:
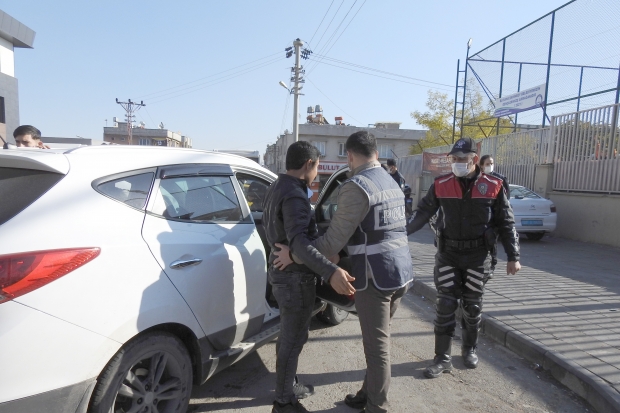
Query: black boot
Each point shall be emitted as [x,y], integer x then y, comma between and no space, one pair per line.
[468,351]
[470,359]
[442,363]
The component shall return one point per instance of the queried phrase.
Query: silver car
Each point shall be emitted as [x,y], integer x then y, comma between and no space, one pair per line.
[535,216]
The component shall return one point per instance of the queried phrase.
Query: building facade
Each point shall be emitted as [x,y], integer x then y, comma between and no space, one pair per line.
[392,142]
[13,34]
[117,134]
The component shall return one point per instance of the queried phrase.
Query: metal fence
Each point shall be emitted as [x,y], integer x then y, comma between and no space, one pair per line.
[515,154]
[572,51]
[585,151]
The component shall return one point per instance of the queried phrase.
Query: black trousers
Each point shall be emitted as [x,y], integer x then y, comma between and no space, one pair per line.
[295,293]
[460,276]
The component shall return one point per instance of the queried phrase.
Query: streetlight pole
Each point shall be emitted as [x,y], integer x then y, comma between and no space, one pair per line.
[297,44]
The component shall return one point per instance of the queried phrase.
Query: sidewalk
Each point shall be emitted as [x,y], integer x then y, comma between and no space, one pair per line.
[561,311]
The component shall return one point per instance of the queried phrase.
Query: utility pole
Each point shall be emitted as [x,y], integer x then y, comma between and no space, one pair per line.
[131,108]
[297,77]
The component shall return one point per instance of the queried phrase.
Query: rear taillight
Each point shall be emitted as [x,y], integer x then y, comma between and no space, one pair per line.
[27,271]
[553,208]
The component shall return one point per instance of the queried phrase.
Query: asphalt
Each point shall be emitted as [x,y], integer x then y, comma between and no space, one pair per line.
[561,311]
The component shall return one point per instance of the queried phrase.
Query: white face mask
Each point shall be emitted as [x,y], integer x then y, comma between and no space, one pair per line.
[488,169]
[460,169]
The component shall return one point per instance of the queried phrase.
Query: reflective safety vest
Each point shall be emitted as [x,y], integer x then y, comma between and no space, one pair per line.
[380,243]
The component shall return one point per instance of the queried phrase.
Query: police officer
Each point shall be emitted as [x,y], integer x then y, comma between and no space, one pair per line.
[473,204]
[487,165]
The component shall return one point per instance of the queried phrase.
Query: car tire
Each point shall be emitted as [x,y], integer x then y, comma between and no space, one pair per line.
[332,315]
[535,236]
[128,382]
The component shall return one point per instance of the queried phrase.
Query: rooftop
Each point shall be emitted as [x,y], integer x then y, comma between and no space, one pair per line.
[16,32]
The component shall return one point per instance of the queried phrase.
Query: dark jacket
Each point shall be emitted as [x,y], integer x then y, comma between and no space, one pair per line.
[288,219]
[470,207]
[505,183]
[399,178]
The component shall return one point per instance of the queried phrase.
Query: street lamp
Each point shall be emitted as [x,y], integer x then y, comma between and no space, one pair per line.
[284,86]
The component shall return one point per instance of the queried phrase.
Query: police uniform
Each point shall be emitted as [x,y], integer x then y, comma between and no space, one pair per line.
[472,208]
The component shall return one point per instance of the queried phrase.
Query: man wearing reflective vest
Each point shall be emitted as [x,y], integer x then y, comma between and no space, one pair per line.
[473,204]
[370,223]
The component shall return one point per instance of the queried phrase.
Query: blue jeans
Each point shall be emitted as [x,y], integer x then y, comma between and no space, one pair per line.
[295,293]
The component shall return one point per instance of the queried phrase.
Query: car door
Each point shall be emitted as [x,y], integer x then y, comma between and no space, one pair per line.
[204,239]
[326,206]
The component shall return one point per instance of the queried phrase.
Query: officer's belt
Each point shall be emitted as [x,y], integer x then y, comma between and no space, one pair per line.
[464,245]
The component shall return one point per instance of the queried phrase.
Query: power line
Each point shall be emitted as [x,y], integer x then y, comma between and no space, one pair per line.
[336,31]
[206,77]
[380,71]
[345,29]
[388,78]
[317,29]
[214,82]
[330,23]
[317,88]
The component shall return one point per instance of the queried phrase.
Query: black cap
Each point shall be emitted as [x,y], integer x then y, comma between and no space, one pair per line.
[391,162]
[463,146]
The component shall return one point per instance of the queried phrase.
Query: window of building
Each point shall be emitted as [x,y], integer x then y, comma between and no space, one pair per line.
[385,151]
[130,190]
[202,199]
[342,151]
[2,113]
[144,142]
[320,146]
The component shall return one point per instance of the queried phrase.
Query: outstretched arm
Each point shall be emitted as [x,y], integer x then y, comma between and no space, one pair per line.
[427,207]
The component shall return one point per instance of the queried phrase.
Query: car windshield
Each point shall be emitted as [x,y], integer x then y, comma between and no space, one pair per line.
[521,192]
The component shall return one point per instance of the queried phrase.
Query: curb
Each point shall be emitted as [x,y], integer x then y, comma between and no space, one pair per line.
[581,381]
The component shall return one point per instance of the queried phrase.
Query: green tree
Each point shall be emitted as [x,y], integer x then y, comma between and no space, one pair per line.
[440,114]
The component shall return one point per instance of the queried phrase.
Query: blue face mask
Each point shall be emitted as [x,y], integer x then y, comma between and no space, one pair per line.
[460,169]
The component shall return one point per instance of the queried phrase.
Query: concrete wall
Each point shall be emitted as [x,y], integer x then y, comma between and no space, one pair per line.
[8,90]
[588,217]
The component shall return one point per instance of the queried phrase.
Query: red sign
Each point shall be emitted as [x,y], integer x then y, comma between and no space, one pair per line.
[436,163]
[330,167]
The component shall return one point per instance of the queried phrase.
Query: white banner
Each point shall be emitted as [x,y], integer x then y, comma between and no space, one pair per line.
[330,167]
[521,101]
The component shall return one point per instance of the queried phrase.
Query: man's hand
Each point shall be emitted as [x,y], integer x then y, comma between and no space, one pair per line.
[283,259]
[340,281]
[513,267]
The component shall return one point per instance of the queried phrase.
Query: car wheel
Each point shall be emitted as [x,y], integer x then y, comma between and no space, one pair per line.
[535,236]
[332,315]
[150,374]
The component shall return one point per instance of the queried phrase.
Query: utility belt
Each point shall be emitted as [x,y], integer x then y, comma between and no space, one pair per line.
[463,245]
[485,241]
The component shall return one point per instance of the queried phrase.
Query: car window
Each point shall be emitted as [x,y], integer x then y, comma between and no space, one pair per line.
[131,190]
[21,187]
[522,192]
[330,205]
[198,199]
[254,189]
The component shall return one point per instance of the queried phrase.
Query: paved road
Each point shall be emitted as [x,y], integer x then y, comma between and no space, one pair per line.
[333,361]
[562,310]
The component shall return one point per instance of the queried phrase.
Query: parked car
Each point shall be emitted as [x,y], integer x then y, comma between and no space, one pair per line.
[535,216]
[129,273]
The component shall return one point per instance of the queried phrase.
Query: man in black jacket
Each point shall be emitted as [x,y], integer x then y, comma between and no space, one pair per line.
[396,176]
[473,204]
[288,220]
[487,165]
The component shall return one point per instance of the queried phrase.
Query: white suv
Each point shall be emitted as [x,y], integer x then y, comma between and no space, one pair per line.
[127,274]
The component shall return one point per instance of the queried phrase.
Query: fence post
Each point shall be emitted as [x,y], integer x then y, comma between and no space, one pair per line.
[551,141]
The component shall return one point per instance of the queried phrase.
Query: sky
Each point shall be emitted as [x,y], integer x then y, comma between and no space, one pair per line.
[210,69]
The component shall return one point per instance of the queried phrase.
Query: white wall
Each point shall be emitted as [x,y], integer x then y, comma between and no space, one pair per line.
[7,60]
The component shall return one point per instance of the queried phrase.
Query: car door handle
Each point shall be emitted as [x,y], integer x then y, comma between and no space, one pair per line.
[185,263]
